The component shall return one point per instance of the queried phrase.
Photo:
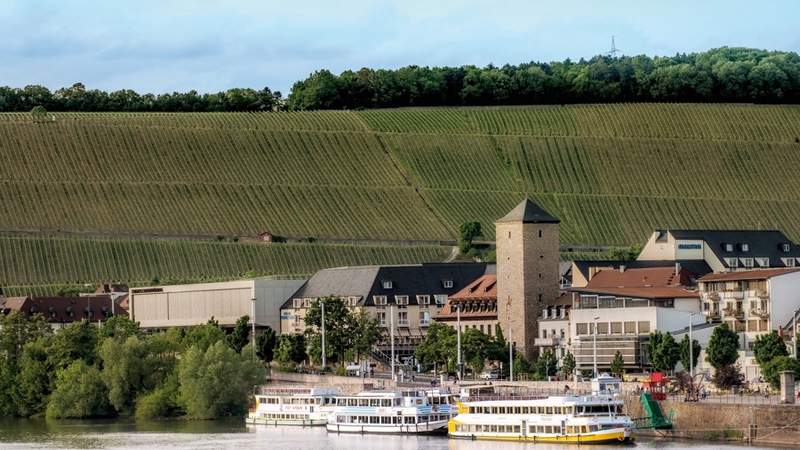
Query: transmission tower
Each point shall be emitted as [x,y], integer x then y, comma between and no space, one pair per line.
[614,50]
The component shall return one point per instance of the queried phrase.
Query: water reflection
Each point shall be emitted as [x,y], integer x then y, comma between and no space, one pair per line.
[179,434]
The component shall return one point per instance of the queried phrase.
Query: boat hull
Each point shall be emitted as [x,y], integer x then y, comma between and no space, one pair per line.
[281,422]
[608,437]
[421,428]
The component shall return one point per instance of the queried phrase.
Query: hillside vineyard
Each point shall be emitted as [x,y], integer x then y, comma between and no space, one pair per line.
[612,173]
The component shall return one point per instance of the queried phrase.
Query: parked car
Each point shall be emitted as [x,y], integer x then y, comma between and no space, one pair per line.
[489,375]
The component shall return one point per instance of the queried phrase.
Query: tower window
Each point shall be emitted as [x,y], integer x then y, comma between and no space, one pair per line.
[540,233]
[540,298]
[509,235]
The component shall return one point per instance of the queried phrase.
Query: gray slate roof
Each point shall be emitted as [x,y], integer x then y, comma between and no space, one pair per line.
[528,212]
[761,243]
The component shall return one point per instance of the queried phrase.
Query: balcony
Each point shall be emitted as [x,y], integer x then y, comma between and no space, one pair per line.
[762,293]
[402,323]
[758,312]
[733,312]
[547,342]
[730,295]
[424,323]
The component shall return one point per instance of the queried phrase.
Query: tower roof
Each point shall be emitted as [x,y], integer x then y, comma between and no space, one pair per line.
[528,212]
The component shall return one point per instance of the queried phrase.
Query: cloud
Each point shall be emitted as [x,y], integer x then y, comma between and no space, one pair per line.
[209,45]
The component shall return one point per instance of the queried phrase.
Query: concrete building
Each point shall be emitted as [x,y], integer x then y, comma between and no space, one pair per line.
[723,250]
[554,327]
[527,240]
[620,308]
[194,304]
[478,306]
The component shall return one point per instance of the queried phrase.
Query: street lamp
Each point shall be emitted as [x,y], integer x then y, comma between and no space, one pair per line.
[458,339]
[594,345]
[322,321]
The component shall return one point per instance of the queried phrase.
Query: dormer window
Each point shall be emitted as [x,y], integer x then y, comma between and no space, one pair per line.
[379,300]
[728,247]
[387,284]
[747,262]
[297,303]
[786,248]
[448,284]
[789,262]
[401,299]
[762,262]
[732,262]
[745,247]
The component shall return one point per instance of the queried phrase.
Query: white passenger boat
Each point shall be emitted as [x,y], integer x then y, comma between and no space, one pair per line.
[392,412]
[293,406]
[596,418]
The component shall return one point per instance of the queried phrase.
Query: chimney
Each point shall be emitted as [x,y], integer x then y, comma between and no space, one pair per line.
[621,268]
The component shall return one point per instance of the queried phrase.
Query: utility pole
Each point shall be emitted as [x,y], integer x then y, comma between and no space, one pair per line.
[391,334]
[594,345]
[253,328]
[691,348]
[458,339]
[322,307]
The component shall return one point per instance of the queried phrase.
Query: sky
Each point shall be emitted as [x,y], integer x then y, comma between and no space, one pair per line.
[210,45]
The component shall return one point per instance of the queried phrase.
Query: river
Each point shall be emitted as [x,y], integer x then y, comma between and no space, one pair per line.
[127,434]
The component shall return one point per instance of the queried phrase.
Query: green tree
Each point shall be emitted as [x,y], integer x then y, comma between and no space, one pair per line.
[664,351]
[568,365]
[546,365]
[618,364]
[162,401]
[8,372]
[265,345]
[75,341]
[204,336]
[723,347]
[32,385]
[16,330]
[124,370]
[39,114]
[217,382]
[79,393]
[684,350]
[119,326]
[367,333]
[728,376]
[240,334]
[290,350]
[767,347]
[467,232]
[340,328]
[771,370]
[438,348]
[475,346]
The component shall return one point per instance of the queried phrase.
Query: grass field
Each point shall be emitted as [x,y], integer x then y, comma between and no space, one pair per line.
[611,173]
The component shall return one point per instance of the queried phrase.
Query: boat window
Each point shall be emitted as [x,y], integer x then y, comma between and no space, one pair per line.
[548,410]
[584,429]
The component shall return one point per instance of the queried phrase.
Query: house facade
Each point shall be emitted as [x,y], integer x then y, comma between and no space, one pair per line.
[62,311]
[475,305]
[408,296]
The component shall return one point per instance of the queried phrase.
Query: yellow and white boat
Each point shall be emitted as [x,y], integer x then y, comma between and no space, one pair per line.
[597,418]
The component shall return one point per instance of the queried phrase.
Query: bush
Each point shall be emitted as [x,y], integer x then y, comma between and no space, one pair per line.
[772,370]
[728,377]
[161,402]
[79,393]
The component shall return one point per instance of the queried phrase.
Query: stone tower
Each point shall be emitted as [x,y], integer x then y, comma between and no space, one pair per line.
[527,271]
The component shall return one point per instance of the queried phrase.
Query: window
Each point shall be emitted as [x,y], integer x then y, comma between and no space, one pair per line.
[728,247]
[424,318]
[382,318]
[401,299]
[352,301]
[789,262]
[540,233]
[387,284]
[448,284]
[732,262]
[616,327]
[306,303]
[402,318]
[297,302]
[379,300]
[644,327]
[581,328]
[630,327]
[424,299]
[762,262]
[440,299]
[745,247]
[786,248]
[602,327]
[747,262]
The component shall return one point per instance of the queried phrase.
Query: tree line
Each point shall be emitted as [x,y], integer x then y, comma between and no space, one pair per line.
[717,75]
[85,370]
[78,98]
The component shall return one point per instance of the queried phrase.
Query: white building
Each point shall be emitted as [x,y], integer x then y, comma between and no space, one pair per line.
[194,304]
